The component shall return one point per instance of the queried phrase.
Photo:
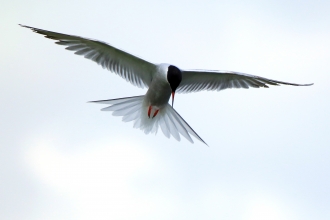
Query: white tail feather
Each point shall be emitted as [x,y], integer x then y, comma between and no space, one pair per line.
[135,109]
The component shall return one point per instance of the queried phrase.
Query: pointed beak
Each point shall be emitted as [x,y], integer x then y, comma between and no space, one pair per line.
[173,93]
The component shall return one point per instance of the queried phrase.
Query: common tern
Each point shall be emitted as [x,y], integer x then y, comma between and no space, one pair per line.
[152,110]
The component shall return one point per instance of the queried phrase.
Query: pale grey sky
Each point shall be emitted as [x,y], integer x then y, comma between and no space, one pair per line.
[62,158]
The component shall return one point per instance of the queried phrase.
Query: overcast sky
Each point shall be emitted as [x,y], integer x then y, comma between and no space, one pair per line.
[269,149]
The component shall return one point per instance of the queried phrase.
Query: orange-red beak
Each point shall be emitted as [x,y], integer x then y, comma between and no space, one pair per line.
[173,93]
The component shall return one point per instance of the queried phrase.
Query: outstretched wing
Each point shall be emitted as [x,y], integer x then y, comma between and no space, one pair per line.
[135,70]
[199,80]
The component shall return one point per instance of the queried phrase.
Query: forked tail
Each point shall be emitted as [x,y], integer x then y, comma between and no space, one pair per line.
[134,109]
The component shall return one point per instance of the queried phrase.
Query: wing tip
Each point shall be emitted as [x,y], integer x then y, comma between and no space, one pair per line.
[22,25]
[309,84]
[99,101]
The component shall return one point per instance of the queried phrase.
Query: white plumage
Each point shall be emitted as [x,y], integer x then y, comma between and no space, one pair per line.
[135,109]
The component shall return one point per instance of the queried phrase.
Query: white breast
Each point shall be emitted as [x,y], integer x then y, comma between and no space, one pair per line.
[159,91]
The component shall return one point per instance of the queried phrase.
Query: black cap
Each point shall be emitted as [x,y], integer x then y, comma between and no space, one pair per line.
[174,77]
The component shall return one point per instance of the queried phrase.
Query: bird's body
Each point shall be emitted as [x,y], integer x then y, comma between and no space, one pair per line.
[159,91]
[151,111]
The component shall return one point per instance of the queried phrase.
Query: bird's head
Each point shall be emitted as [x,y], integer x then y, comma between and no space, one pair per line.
[174,77]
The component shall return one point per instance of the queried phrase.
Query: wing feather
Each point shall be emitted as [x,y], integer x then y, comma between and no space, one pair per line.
[199,80]
[140,71]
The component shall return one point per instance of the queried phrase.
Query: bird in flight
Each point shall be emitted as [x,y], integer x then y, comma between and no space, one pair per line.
[152,110]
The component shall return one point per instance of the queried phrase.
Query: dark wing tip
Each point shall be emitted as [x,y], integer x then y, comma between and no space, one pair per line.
[22,25]
[295,84]
[36,30]
[310,84]
[98,101]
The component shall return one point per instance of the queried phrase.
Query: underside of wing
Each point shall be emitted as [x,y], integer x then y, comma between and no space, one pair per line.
[133,69]
[199,80]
